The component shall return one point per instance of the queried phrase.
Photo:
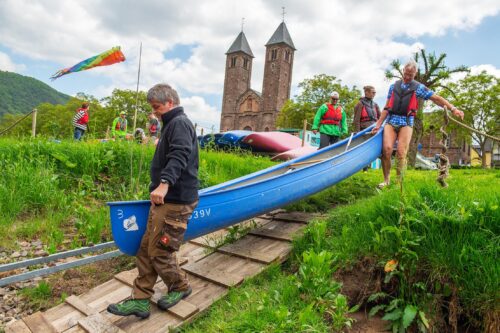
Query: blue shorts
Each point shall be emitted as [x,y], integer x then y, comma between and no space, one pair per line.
[397,121]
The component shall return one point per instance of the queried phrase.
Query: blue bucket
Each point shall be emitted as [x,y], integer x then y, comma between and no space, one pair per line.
[129,220]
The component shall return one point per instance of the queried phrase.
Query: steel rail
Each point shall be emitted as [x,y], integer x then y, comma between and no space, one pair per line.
[50,270]
[56,256]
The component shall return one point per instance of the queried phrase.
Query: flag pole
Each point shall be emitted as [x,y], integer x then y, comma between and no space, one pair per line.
[137,89]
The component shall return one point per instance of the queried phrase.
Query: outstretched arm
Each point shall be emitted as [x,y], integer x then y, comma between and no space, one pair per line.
[442,102]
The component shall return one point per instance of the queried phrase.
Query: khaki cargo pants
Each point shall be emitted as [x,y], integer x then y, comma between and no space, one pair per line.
[169,222]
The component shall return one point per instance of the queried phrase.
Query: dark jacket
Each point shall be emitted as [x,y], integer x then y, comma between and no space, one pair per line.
[176,158]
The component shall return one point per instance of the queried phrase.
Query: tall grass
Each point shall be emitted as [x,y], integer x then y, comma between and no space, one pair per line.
[447,238]
[66,184]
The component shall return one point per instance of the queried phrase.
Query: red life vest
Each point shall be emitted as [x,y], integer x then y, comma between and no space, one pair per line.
[333,116]
[369,111]
[85,119]
[403,103]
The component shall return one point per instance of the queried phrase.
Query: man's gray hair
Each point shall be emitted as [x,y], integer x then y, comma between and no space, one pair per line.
[163,93]
[411,64]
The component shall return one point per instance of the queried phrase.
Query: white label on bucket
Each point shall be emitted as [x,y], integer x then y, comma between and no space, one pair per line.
[130,224]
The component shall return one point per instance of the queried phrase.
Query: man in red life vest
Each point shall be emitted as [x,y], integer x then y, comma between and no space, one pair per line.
[400,110]
[80,121]
[331,121]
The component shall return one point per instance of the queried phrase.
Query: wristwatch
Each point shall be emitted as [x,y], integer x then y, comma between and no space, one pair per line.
[164,181]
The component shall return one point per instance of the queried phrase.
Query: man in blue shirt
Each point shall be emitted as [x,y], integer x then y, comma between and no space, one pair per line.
[400,110]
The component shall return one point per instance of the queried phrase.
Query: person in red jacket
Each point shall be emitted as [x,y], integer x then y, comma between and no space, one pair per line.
[80,121]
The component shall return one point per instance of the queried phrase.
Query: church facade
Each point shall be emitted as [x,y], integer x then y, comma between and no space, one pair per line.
[244,108]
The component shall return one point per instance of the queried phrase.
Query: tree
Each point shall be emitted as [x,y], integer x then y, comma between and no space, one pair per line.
[432,75]
[125,100]
[478,96]
[315,92]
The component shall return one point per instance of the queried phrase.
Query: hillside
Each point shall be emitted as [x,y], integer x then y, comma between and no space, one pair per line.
[19,94]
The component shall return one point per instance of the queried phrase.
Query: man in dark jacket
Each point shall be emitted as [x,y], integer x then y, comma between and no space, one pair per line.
[174,195]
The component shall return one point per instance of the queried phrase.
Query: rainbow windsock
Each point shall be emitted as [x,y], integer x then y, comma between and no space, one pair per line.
[109,57]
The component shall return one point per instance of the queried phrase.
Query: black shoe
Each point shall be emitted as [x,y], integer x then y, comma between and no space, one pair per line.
[173,297]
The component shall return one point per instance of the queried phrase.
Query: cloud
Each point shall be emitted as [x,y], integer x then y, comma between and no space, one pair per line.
[6,64]
[490,69]
[201,113]
[352,40]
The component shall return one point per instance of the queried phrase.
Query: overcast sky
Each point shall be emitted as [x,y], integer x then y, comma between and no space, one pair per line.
[184,42]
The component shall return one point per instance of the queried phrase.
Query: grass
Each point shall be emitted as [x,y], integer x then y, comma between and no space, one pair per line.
[446,237]
[57,191]
[443,244]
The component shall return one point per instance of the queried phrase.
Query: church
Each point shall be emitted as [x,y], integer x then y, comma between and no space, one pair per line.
[244,108]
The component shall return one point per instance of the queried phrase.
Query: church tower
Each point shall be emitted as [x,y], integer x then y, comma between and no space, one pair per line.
[237,78]
[277,76]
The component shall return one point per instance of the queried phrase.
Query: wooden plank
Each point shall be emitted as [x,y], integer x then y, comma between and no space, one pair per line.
[96,323]
[223,278]
[110,292]
[211,240]
[127,277]
[158,322]
[258,249]
[37,323]
[63,317]
[17,326]
[183,309]
[204,292]
[278,230]
[189,253]
[78,304]
[223,269]
[299,217]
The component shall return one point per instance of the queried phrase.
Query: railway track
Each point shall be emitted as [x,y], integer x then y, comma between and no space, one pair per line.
[211,271]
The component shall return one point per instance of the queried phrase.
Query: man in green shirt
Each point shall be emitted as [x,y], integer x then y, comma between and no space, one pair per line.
[331,121]
[119,128]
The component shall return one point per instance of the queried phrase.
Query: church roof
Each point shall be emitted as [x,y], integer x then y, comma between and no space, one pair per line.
[240,44]
[281,35]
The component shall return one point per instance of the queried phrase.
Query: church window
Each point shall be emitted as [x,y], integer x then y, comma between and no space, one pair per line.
[274,54]
[233,62]
[245,63]
[249,104]
[287,56]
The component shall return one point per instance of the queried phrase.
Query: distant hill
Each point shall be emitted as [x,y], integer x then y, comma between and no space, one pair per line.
[20,94]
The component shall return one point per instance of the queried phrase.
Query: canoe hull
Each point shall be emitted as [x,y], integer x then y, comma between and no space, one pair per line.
[225,204]
[275,142]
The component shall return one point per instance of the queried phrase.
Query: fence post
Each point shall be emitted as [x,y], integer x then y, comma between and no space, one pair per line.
[33,123]
[202,131]
[304,132]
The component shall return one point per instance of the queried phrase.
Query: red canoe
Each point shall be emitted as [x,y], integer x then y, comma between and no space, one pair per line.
[294,153]
[275,142]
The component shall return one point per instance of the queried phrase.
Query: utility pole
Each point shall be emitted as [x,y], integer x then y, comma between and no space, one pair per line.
[137,90]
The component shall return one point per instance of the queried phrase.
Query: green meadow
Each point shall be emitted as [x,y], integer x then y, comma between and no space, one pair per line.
[429,255]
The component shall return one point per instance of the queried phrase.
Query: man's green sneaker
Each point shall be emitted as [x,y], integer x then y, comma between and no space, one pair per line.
[138,307]
[173,298]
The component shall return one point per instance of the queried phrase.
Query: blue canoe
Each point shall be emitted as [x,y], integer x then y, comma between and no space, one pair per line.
[243,198]
[233,138]
[207,138]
